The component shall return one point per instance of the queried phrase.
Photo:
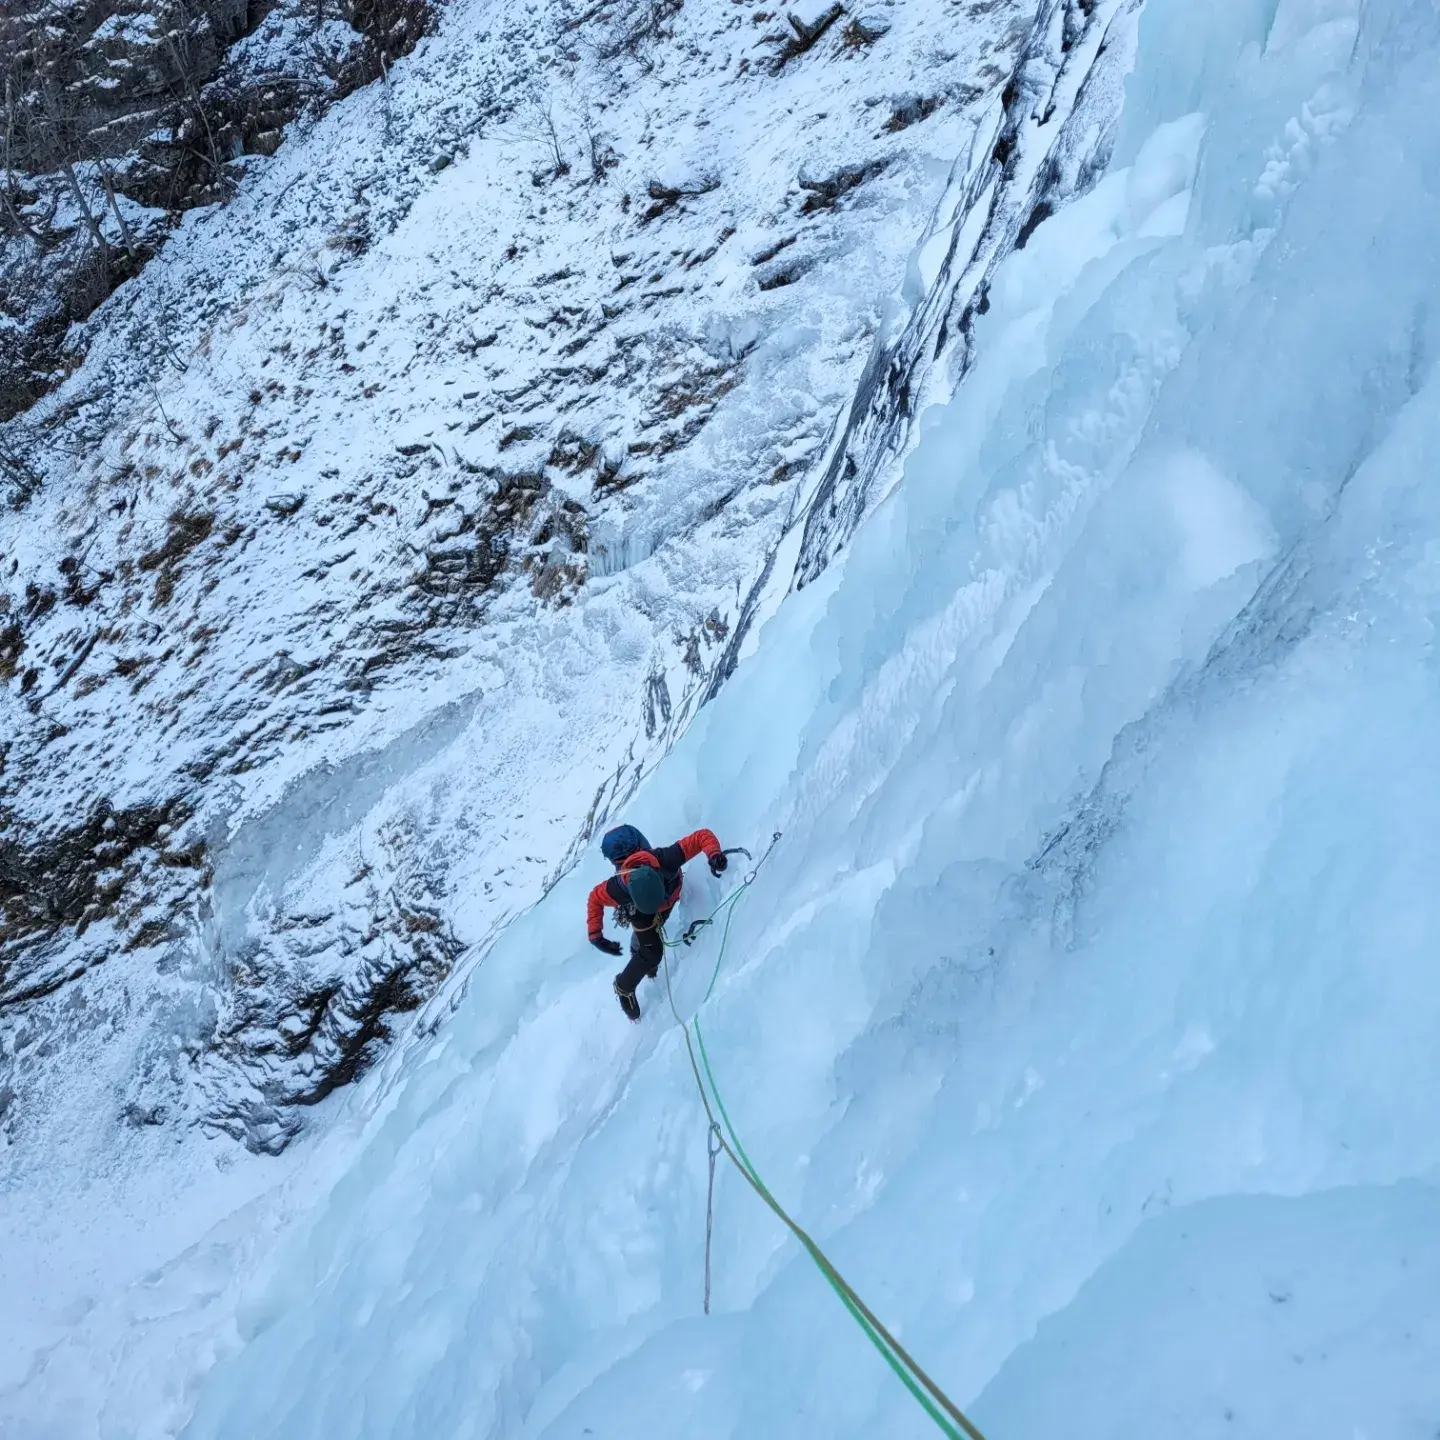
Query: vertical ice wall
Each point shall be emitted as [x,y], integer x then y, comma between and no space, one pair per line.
[1086,1010]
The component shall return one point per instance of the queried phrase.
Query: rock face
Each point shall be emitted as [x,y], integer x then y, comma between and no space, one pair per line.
[94,80]
[1046,143]
[143,85]
[117,117]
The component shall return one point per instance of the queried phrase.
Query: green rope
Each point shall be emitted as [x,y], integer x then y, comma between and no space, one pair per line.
[888,1347]
[692,931]
[905,1367]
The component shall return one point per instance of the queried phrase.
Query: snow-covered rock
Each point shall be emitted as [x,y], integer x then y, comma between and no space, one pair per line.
[400,518]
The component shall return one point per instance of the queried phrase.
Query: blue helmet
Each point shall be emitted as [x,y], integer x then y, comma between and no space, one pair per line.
[647,889]
[622,841]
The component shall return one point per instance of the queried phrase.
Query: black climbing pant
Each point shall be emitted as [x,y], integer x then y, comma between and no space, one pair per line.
[646,952]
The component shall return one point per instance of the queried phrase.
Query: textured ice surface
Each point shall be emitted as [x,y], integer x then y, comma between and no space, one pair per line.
[1086,1011]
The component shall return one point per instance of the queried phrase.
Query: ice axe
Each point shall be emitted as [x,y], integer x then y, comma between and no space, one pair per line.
[691,932]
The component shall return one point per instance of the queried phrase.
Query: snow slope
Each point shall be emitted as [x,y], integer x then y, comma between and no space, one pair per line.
[395,521]
[1085,1009]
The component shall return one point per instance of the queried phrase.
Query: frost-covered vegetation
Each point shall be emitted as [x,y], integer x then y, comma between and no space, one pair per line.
[117,118]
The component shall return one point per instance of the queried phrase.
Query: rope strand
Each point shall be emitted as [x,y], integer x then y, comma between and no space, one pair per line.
[713,1148]
[931,1398]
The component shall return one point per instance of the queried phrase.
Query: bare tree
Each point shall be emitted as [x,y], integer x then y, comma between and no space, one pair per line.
[537,125]
[54,133]
[549,135]
[181,41]
[641,23]
[598,149]
[17,219]
[108,181]
[15,468]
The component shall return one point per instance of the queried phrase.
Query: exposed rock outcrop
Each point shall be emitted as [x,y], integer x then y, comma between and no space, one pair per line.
[118,115]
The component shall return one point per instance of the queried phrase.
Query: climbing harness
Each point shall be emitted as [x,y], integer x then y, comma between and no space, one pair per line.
[951,1420]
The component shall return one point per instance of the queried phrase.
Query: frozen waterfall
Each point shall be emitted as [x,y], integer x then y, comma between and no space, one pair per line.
[1087,1011]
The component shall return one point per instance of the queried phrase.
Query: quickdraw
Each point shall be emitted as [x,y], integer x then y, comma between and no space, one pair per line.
[692,932]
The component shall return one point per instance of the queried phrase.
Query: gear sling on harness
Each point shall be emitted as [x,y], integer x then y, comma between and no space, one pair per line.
[951,1420]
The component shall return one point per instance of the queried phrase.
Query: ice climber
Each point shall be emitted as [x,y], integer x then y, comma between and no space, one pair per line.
[644,887]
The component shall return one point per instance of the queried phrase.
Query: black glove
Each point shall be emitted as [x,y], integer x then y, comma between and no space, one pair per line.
[609,947]
[719,863]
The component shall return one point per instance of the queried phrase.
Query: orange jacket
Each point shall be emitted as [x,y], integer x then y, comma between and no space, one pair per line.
[668,859]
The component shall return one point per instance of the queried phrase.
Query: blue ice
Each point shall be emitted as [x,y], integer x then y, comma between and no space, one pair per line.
[1086,1011]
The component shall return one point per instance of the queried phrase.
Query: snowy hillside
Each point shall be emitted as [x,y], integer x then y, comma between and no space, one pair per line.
[1056,551]
[448,449]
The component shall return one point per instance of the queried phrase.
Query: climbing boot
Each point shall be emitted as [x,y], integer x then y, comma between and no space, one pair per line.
[628,1003]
